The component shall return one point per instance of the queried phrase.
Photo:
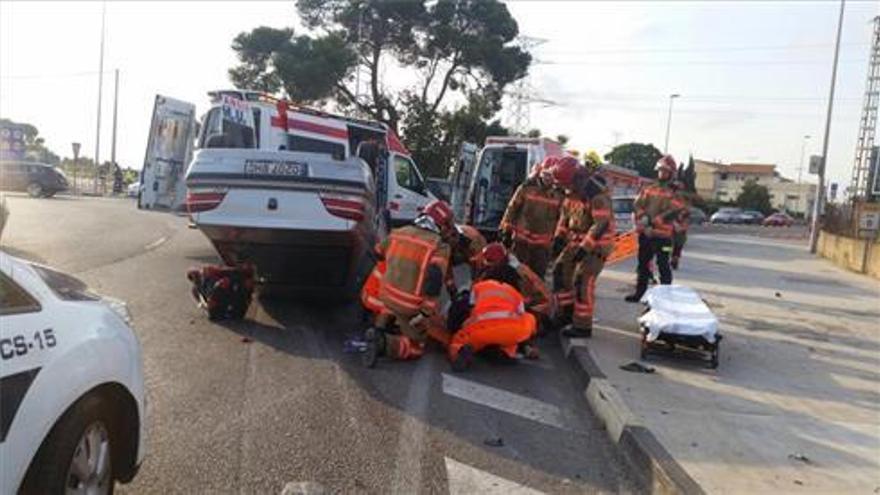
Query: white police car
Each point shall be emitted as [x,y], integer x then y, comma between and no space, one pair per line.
[71,385]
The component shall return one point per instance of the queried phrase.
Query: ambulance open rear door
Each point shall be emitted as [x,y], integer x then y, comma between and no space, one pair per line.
[169,150]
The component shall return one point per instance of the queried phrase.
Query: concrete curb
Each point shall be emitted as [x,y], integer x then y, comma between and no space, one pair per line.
[648,460]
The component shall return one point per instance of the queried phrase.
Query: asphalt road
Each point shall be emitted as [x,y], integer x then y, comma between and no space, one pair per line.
[253,406]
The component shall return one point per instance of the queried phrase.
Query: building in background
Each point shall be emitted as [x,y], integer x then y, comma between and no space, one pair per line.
[720,182]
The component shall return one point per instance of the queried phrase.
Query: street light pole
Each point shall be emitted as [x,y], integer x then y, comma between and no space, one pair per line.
[100,92]
[820,188]
[669,121]
[801,166]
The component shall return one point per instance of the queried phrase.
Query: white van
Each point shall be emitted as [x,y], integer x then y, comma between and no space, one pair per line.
[504,163]
[253,120]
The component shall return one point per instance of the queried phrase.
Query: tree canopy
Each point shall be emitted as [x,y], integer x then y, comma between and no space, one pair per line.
[754,196]
[455,46]
[636,156]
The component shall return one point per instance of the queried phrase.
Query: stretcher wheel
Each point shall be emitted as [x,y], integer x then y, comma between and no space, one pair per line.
[643,354]
[713,360]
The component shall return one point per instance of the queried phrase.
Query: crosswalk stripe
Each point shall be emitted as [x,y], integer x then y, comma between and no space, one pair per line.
[503,400]
[467,480]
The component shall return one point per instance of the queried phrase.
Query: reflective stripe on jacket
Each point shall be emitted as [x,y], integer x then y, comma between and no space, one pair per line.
[493,300]
[532,212]
[656,203]
[409,252]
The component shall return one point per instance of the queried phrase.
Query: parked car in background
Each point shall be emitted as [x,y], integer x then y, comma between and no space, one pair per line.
[133,189]
[440,188]
[727,215]
[72,385]
[753,217]
[4,214]
[623,212]
[698,216]
[37,179]
[778,219]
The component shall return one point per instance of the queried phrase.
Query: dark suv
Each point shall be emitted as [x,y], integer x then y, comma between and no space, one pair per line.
[37,179]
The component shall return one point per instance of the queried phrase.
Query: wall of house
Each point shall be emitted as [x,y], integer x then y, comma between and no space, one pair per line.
[792,196]
[705,181]
[849,253]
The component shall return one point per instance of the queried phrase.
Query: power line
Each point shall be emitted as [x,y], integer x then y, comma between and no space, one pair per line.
[698,49]
[694,62]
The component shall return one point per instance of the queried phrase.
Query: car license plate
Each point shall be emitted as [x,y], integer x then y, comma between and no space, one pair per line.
[276,167]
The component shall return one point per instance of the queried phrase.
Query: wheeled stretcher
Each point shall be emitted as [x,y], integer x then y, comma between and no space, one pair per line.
[677,317]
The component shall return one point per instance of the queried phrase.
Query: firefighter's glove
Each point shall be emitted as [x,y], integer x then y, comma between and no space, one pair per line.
[507,238]
[558,246]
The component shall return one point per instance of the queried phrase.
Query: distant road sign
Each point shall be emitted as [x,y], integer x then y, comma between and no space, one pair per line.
[832,191]
[816,164]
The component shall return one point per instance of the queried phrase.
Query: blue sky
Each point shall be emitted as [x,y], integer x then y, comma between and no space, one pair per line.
[753,76]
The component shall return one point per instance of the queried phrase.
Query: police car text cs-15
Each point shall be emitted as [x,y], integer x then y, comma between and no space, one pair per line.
[71,385]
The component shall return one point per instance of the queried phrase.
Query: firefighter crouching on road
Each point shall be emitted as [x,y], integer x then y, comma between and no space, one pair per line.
[530,217]
[681,223]
[416,257]
[655,211]
[569,230]
[495,316]
[592,252]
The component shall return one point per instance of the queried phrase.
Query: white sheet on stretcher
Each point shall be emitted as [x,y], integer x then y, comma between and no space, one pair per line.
[676,309]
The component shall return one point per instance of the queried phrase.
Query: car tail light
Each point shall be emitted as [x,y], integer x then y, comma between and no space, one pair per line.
[203,200]
[344,205]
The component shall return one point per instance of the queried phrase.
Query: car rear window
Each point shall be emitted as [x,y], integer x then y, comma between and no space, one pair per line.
[623,205]
[65,286]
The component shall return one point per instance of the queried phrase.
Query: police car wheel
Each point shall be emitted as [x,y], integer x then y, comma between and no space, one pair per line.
[76,457]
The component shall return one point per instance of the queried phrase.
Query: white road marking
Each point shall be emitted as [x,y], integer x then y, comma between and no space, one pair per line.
[407,477]
[503,400]
[467,480]
[158,242]
[303,488]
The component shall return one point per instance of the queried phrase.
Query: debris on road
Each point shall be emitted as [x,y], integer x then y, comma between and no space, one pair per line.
[636,367]
[494,442]
[800,457]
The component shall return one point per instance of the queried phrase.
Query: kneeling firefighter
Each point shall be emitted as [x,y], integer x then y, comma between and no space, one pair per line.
[416,258]
[497,316]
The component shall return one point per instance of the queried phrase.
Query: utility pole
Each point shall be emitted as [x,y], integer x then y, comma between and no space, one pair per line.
[115,105]
[669,121]
[820,188]
[76,147]
[100,92]
[801,165]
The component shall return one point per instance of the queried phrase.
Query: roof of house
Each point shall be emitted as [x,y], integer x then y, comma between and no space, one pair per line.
[708,163]
[751,168]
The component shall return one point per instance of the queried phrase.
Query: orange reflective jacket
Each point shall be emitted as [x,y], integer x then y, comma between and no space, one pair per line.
[493,300]
[370,290]
[409,252]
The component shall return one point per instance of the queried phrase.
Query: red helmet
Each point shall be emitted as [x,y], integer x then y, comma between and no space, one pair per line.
[545,167]
[441,213]
[563,172]
[666,162]
[494,254]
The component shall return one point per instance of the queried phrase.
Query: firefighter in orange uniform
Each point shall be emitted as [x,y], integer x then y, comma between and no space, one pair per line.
[497,316]
[570,230]
[655,211]
[413,286]
[591,250]
[530,217]
[681,223]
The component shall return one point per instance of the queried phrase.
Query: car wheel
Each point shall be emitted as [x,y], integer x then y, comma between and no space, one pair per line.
[48,194]
[34,190]
[76,457]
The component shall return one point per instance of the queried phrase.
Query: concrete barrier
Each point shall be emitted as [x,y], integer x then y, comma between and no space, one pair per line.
[850,253]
